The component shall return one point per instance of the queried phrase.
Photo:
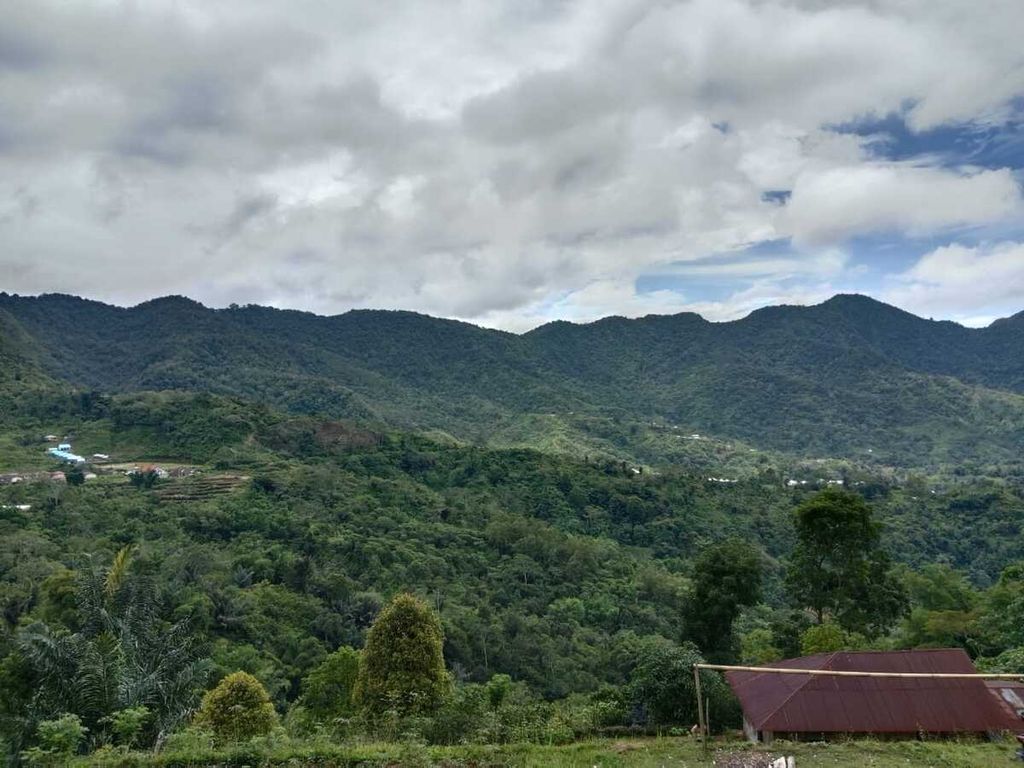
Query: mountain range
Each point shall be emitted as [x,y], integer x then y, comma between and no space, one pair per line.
[851,377]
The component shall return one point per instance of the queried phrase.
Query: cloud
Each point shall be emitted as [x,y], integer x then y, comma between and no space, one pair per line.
[971,284]
[837,203]
[502,162]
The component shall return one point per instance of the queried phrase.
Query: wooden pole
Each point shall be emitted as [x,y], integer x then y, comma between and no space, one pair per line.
[846,673]
[700,705]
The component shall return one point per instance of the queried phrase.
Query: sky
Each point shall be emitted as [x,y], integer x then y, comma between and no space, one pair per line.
[511,162]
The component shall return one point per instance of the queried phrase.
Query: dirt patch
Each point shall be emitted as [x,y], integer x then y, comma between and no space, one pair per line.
[744,760]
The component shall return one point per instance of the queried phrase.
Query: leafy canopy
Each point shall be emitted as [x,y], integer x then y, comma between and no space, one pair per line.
[403,666]
[726,577]
[838,568]
[238,708]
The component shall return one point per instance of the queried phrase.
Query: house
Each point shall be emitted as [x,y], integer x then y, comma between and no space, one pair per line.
[814,706]
[63,452]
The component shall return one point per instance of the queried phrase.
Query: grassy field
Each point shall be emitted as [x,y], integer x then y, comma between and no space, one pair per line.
[627,753]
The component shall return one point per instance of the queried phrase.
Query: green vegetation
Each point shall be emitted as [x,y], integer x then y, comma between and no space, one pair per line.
[608,753]
[838,568]
[402,668]
[307,589]
[849,378]
[237,709]
[726,577]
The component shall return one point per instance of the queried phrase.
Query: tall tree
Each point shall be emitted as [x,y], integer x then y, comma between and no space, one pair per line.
[403,665]
[726,577]
[838,568]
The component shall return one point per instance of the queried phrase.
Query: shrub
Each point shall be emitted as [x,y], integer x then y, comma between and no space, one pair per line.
[58,740]
[327,690]
[498,689]
[403,666]
[663,686]
[127,724]
[829,637]
[237,709]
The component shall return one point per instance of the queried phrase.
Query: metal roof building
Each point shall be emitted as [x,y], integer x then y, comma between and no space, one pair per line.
[776,704]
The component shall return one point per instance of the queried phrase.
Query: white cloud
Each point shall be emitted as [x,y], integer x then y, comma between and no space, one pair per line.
[495,161]
[971,284]
[837,203]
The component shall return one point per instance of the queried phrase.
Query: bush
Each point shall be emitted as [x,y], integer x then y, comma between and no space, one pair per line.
[327,691]
[127,725]
[237,709]
[58,740]
[403,667]
[829,637]
[663,686]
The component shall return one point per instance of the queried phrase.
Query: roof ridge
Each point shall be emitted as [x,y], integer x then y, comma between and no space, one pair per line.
[824,665]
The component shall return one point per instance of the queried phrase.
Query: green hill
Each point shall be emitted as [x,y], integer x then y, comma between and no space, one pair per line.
[851,377]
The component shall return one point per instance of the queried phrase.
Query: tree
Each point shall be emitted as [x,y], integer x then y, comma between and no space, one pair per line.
[237,709]
[662,685]
[1002,622]
[839,570]
[403,665]
[829,637]
[123,654]
[757,647]
[726,577]
[327,690]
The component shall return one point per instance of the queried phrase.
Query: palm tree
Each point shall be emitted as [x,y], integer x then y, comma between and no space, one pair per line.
[124,654]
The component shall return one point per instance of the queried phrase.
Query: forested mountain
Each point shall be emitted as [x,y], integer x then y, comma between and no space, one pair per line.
[268,542]
[850,377]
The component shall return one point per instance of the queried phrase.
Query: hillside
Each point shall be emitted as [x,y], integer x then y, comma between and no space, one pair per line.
[851,377]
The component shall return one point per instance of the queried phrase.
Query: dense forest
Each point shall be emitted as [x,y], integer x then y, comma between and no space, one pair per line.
[850,378]
[229,568]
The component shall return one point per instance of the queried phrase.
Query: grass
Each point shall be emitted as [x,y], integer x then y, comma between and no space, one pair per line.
[624,753]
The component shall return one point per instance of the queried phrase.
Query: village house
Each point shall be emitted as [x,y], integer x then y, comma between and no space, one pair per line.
[796,706]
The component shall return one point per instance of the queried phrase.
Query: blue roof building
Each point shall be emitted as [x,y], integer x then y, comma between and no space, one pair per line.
[66,455]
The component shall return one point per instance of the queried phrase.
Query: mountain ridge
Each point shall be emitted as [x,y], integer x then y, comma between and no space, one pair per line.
[847,377]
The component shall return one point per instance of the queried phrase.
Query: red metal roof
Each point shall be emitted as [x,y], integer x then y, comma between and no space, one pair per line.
[823,704]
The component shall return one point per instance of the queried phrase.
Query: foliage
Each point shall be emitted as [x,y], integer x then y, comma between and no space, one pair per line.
[634,752]
[327,691]
[772,378]
[402,667]
[1002,622]
[1010,661]
[63,735]
[725,577]
[828,637]
[237,709]
[663,685]
[552,577]
[124,655]
[758,647]
[58,740]
[838,569]
[127,724]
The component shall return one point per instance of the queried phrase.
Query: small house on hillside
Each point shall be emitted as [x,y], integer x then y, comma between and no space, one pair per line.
[813,706]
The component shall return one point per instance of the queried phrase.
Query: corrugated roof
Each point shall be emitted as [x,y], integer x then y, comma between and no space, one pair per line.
[823,704]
